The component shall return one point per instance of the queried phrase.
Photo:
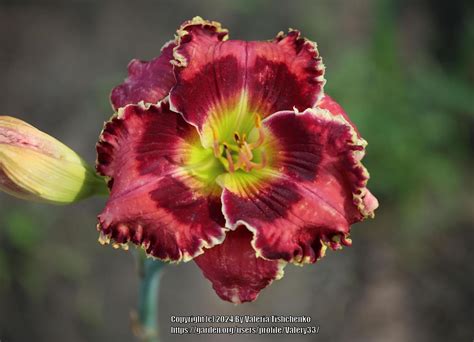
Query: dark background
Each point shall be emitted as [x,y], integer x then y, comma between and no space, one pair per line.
[404,71]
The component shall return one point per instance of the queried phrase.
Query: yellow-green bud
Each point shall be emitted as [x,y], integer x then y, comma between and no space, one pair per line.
[36,167]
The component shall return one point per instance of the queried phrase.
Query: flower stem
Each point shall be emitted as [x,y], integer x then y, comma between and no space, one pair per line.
[146,322]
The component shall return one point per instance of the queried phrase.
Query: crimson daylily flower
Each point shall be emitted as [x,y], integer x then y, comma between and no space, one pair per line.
[229,153]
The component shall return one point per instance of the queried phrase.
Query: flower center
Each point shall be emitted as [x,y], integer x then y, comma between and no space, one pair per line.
[240,153]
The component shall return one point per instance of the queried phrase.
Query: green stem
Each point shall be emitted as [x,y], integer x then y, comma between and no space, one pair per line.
[150,271]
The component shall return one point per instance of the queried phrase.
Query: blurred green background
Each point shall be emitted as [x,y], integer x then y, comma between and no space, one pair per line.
[404,72]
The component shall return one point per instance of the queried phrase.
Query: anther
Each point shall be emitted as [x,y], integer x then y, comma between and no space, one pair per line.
[237,137]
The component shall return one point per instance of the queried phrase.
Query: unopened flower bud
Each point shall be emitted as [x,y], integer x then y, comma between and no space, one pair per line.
[34,166]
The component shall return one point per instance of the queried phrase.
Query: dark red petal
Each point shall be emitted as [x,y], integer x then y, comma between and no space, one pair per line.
[251,77]
[149,82]
[318,192]
[154,201]
[236,273]
[371,203]
[335,108]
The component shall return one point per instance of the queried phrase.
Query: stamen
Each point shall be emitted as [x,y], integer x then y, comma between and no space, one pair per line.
[232,147]
[264,159]
[262,164]
[215,143]
[243,149]
[244,161]
[248,150]
[261,133]
[237,137]
[258,121]
[229,159]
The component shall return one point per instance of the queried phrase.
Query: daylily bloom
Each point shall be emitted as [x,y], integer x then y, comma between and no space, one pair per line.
[228,152]
[36,167]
